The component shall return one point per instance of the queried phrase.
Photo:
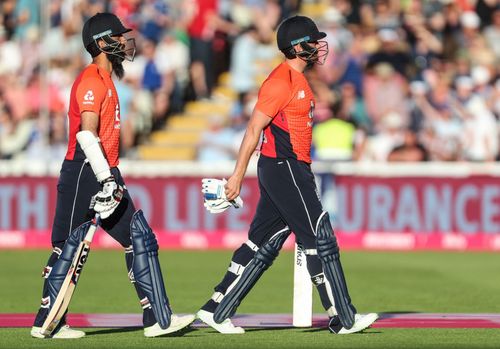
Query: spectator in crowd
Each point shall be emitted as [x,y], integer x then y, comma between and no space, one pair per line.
[243,66]
[343,62]
[217,142]
[160,86]
[385,92]
[423,35]
[203,20]
[7,19]
[391,134]
[442,127]
[494,103]
[492,32]
[341,137]
[480,134]
[26,19]
[386,14]
[484,8]
[172,61]
[390,52]
[410,150]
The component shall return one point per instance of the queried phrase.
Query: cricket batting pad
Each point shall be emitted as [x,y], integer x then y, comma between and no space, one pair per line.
[146,268]
[262,260]
[328,253]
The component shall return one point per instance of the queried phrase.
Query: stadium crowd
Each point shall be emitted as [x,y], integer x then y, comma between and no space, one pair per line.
[410,80]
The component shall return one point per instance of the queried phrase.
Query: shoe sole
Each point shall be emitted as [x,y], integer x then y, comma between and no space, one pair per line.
[172,329]
[39,335]
[56,337]
[214,325]
[366,325]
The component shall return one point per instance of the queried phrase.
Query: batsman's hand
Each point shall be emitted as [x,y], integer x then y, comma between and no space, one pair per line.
[215,200]
[232,188]
[107,200]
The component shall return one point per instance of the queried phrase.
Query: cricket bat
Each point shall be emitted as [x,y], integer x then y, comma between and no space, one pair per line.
[69,284]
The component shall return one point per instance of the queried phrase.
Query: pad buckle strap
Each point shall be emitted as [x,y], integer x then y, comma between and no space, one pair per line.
[236,268]
[145,303]
[217,297]
[250,244]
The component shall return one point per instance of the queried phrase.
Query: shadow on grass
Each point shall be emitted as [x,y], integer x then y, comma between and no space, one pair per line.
[112,330]
[389,314]
[255,329]
[132,329]
[366,331]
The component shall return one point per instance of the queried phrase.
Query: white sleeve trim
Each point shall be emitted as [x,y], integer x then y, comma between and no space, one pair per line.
[93,152]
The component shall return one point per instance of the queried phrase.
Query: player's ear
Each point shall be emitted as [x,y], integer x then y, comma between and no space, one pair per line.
[298,48]
[101,43]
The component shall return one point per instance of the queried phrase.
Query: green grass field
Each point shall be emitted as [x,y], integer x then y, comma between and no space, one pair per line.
[379,282]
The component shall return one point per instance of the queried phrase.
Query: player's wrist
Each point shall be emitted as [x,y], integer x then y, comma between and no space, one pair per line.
[108,179]
[238,175]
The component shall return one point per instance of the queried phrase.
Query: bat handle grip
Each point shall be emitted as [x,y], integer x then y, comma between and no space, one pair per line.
[95,223]
[97,220]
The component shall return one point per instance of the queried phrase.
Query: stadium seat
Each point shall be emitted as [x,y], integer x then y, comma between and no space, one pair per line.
[161,152]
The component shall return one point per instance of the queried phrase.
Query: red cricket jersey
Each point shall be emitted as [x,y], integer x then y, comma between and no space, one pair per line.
[287,98]
[93,90]
[201,20]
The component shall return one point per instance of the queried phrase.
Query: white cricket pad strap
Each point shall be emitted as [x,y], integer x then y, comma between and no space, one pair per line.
[93,152]
[250,244]
[217,297]
[236,268]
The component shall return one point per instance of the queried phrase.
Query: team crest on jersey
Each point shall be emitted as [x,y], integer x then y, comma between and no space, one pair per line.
[301,94]
[89,97]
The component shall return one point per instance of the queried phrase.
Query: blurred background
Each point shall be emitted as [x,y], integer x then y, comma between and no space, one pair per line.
[413,80]
[406,133]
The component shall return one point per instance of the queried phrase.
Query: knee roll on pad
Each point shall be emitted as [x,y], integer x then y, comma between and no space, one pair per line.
[326,242]
[146,268]
[54,256]
[328,253]
[262,260]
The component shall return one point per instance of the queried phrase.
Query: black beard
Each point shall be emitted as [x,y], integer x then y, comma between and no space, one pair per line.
[116,64]
[310,64]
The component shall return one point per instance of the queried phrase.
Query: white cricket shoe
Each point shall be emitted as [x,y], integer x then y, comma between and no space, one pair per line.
[65,332]
[226,327]
[361,322]
[177,322]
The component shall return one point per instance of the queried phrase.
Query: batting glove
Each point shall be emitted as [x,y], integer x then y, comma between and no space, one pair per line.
[107,200]
[214,196]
